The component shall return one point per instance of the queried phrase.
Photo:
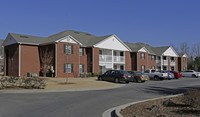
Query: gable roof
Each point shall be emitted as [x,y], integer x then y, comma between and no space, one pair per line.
[135,47]
[160,50]
[85,39]
[182,54]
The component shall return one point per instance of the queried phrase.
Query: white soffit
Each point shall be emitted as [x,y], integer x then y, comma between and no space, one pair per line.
[142,50]
[69,39]
[184,55]
[170,52]
[111,43]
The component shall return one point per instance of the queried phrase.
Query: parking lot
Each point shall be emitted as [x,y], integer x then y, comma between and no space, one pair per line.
[88,103]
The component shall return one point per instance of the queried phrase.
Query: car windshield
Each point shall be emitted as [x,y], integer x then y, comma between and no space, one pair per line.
[175,71]
[124,72]
[139,72]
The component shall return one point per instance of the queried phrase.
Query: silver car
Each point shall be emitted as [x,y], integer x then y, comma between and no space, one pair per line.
[190,73]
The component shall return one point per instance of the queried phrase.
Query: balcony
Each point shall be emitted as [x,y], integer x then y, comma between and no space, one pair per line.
[118,59]
[108,58]
[105,58]
[165,62]
[172,63]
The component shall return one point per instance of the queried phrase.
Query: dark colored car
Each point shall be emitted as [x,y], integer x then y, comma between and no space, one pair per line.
[139,76]
[177,75]
[116,76]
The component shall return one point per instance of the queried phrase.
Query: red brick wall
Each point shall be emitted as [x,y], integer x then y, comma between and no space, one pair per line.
[30,61]
[176,68]
[183,64]
[128,62]
[83,60]
[96,60]
[11,58]
[151,62]
[142,61]
[63,58]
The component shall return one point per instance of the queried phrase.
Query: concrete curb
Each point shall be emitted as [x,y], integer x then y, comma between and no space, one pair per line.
[62,90]
[116,110]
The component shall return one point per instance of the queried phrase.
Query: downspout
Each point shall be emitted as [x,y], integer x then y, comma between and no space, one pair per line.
[55,59]
[19,59]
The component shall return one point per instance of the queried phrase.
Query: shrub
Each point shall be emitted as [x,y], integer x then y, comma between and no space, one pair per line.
[17,82]
[192,98]
[89,74]
[95,74]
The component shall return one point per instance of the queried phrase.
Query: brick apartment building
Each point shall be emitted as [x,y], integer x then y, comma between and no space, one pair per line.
[182,62]
[73,53]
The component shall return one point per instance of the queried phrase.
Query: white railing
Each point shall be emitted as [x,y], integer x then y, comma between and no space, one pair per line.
[108,58]
[173,63]
[105,58]
[118,59]
[165,62]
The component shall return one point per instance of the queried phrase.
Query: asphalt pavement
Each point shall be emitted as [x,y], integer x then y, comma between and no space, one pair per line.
[88,103]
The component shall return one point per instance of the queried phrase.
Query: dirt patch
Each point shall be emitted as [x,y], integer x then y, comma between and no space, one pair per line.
[166,107]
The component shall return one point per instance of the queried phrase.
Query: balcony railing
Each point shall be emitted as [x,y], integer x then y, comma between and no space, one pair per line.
[105,58]
[108,58]
[165,62]
[118,59]
[172,62]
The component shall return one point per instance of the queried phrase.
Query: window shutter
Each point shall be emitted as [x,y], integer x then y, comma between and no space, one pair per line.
[83,51]
[72,68]
[82,67]
[64,68]
[71,49]
[64,48]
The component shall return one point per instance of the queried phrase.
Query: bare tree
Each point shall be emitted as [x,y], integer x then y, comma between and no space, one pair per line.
[195,50]
[46,60]
[175,47]
[184,48]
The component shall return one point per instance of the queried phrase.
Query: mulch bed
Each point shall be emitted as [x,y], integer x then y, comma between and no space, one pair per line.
[167,107]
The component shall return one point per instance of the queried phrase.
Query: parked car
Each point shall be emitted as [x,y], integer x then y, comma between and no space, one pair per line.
[116,76]
[170,75]
[139,76]
[177,75]
[190,73]
[155,74]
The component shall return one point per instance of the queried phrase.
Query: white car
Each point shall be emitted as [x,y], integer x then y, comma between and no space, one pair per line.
[190,73]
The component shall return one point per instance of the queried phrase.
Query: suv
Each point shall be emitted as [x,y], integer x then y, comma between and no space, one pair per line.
[116,76]
[190,73]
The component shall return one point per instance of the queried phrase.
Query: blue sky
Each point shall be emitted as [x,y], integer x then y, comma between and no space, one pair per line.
[155,22]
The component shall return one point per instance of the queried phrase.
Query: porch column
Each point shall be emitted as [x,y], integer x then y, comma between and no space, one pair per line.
[112,60]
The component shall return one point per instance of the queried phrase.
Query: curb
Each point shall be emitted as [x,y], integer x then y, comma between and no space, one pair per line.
[116,110]
[61,90]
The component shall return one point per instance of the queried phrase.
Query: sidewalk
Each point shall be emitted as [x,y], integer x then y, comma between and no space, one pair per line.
[73,84]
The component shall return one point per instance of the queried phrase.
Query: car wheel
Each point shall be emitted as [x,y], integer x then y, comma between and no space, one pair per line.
[117,80]
[139,80]
[194,76]
[127,82]
[100,78]
[156,78]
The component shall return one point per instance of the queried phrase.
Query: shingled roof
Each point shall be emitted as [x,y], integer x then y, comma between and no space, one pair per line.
[160,50]
[85,39]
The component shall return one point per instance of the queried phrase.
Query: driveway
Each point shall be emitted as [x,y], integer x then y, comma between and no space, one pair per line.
[87,103]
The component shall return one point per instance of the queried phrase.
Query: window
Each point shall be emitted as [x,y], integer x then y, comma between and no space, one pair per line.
[121,67]
[158,57]
[68,68]
[100,52]
[142,55]
[172,68]
[152,58]
[152,67]
[81,68]
[142,68]
[115,66]
[164,58]
[172,59]
[121,53]
[184,59]
[81,51]
[68,49]
[164,68]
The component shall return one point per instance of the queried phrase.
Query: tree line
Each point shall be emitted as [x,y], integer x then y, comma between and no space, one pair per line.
[192,52]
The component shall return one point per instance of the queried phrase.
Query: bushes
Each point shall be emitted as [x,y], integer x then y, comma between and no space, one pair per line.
[26,83]
[192,98]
